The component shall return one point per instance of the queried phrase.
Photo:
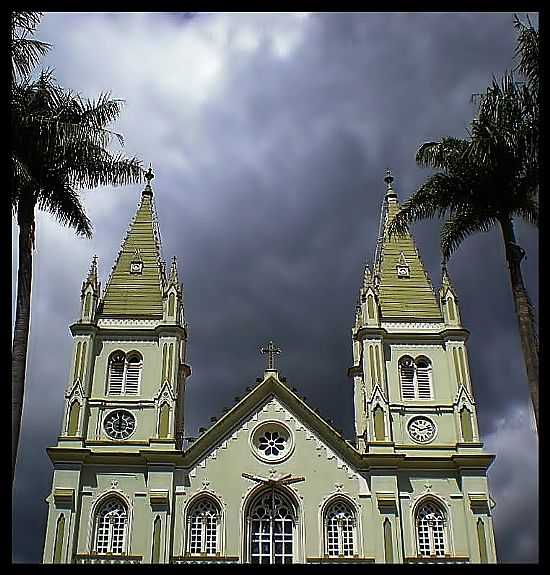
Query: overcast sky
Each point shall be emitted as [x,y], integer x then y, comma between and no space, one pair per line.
[269,136]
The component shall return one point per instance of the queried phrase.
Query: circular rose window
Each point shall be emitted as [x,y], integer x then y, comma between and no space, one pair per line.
[271,441]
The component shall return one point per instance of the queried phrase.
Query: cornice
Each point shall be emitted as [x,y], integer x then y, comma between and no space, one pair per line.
[459,333]
[79,328]
[375,332]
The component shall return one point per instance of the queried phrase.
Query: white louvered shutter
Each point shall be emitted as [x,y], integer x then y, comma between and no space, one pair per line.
[116,375]
[133,374]
[423,379]
[407,378]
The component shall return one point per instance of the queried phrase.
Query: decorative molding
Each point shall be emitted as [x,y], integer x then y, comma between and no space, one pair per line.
[126,339]
[415,345]
[412,326]
[127,323]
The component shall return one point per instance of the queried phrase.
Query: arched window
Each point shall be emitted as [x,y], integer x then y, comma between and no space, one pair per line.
[124,373]
[339,529]
[415,378]
[430,530]
[110,527]
[203,521]
[272,520]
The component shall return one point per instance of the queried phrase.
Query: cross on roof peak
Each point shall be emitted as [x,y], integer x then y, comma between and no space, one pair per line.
[270,350]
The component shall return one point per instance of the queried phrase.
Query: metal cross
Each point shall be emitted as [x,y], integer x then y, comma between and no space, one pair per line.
[270,350]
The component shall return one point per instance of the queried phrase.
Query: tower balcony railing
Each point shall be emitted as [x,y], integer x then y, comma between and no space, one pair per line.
[107,558]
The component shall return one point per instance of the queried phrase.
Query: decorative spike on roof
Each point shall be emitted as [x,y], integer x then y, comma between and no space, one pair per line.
[404,294]
[91,278]
[92,274]
[174,272]
[367,277]
[134,288]
[445,279]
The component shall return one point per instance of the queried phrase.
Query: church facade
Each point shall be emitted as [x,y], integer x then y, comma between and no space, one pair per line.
[270,481]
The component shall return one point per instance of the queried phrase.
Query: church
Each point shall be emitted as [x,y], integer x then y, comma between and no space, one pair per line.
[271,481]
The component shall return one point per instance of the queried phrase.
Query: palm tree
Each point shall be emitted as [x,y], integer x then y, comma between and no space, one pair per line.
[60,145]
[490,179]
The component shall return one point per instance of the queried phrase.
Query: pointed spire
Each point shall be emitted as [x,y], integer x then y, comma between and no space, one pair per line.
[405,291]
[448,298]
[134,288]
[91,278]
[174,272]
[445,279]
[92,274]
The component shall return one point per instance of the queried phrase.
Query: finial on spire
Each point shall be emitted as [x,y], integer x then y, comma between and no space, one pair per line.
[445,279]
[92,274]
[149,176]
[389,179]
[174,270]
[367,275]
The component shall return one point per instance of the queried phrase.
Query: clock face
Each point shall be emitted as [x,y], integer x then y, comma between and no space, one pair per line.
[421,429]
[119,424]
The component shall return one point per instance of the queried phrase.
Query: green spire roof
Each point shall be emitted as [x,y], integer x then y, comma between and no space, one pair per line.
[134,288]
[408,295]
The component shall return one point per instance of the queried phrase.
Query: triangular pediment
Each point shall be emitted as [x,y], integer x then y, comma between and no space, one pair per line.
[284,404]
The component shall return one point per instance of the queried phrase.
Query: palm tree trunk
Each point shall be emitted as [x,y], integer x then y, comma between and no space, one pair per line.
[22,321]
[524,312]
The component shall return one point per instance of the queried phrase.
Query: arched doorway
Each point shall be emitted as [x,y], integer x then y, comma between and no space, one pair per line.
[271,528]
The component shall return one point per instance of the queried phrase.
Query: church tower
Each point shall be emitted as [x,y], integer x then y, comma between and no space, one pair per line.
[413,395]
[124,400]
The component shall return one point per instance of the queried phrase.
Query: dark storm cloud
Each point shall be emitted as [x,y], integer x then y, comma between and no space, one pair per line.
[270,136]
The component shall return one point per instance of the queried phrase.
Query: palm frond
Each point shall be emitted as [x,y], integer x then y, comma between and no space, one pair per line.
[25,51]
[527,51]
[26,54]
[442,155]
[455,230]
[63,202]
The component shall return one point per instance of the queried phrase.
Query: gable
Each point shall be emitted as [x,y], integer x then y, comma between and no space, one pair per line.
[285,405]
